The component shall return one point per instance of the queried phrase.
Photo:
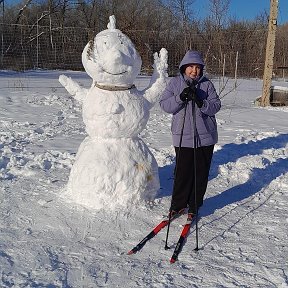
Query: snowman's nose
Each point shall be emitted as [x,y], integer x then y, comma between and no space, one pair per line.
[119,57]
[117,54]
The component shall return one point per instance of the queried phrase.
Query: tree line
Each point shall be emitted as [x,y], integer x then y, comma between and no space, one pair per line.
[51,34]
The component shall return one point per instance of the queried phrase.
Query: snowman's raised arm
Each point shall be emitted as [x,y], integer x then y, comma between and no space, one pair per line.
[158,80]
[73,87]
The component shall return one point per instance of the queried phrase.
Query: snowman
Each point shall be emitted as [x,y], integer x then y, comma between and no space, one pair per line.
[113,166]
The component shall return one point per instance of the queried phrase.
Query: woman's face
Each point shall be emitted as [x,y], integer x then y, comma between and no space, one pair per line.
[193,71]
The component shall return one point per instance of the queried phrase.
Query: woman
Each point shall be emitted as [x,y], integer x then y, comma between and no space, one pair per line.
[196,91]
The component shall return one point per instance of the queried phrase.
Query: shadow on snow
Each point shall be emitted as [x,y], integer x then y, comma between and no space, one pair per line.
[259,177]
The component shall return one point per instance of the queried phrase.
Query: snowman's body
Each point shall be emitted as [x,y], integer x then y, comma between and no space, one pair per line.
[113,166]
[115,114]
[126,172]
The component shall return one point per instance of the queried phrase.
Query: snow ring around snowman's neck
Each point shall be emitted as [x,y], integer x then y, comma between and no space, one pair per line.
[114,87]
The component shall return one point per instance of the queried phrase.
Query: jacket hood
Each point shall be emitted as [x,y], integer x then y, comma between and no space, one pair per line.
[192,57]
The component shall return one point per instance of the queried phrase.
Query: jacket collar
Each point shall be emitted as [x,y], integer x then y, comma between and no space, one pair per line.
[196,81]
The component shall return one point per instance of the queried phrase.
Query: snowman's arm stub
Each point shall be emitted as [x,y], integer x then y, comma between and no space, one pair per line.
[73,88]
[159,77]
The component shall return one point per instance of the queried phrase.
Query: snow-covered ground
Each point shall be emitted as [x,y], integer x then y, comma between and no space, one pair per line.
[46,241]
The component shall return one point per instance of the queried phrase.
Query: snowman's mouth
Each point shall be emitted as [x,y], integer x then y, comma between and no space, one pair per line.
[120,73]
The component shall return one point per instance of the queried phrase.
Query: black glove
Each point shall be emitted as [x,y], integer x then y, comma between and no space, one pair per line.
[189,93]
[199,102]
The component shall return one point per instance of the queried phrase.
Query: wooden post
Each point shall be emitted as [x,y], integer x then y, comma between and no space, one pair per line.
[236,69]
[223,70]
[270,45]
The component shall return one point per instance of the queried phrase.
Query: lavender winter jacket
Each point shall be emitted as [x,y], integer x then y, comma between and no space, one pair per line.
[206,126]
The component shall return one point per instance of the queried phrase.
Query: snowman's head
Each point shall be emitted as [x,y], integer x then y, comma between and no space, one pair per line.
[111,59]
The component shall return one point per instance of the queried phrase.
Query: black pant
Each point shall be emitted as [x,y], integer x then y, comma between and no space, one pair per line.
[184,181]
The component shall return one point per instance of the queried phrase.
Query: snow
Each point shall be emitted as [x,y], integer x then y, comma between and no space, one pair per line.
[280,88]
[47,241]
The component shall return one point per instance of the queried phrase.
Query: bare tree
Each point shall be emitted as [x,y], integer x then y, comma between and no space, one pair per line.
[19,15]
[59,29]
[281,54]
[219,13]
[183,10]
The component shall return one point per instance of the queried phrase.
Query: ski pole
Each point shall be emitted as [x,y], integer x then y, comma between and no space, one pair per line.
[176,170]
[195,173]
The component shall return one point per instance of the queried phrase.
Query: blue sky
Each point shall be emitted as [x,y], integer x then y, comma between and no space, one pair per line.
[241,9]
[247,9]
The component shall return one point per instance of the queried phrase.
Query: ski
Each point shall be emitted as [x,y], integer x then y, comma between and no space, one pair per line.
[181,240]
[153,233]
